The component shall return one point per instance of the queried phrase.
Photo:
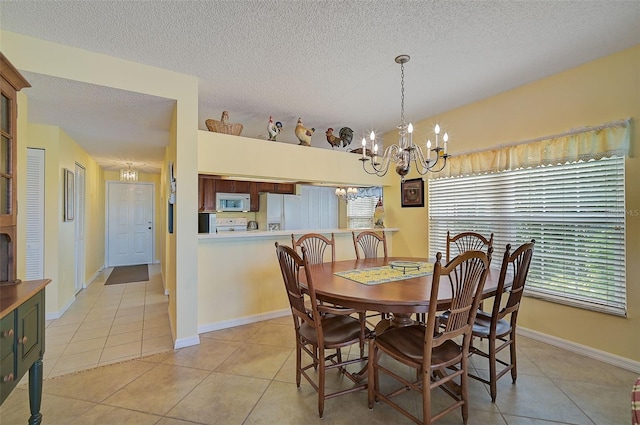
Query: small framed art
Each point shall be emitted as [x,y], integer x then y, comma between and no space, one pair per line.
[412,193]
[69,186]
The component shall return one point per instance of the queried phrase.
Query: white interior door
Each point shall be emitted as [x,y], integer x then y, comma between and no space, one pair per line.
[129,223]
[78,200]
[34,232]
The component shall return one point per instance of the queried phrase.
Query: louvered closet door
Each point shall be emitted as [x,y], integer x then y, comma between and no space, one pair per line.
[35,215]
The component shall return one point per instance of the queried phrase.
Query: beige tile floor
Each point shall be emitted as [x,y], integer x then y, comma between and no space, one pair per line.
[108,324]
[245,375]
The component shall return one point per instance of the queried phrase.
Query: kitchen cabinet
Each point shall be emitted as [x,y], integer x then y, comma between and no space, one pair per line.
[206,193]
[22,340]
[209,186]
[265,187]
[284,188]
[232,186]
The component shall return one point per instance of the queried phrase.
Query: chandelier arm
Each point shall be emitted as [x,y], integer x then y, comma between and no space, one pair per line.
[390,154]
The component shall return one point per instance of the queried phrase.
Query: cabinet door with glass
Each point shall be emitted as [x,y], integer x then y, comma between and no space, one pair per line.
[10,83]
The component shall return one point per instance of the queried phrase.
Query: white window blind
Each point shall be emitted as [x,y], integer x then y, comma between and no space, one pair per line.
[575,212]
[360,212]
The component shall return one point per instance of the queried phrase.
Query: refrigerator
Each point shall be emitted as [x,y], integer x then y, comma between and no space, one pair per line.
[279,212]
[315,208]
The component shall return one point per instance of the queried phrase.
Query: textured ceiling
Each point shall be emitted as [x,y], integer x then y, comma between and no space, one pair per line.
[329,62]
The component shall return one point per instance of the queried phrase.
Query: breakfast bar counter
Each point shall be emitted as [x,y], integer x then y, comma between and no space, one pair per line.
[239,280]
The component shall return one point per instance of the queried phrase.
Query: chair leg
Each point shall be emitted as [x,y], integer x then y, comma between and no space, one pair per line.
[298,362]
[426,397]
[512,351]
[492,368]
[321,379]
[372,376]
[464,388]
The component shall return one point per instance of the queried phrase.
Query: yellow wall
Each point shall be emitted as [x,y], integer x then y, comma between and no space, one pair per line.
[604,90]
[60,152]
[43,57]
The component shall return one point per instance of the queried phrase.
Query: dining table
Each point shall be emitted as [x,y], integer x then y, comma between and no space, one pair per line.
[397,285]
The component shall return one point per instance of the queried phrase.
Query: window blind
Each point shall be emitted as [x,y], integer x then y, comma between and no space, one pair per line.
[575,212]
[360,212]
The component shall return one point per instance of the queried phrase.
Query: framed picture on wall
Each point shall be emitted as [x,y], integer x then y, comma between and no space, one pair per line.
[69,185]
[412,193]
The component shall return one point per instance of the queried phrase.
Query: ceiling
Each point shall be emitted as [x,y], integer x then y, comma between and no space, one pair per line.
[329,62]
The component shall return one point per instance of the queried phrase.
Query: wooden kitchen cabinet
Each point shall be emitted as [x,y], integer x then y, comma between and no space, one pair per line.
[265,187]
[208,188]
[232,186]
[285,188]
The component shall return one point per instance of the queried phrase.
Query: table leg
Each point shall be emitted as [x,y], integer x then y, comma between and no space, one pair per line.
[35,392]
[397,320]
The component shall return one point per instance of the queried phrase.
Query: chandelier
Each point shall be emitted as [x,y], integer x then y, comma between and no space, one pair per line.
[405,151]
[128,175]
[347,194]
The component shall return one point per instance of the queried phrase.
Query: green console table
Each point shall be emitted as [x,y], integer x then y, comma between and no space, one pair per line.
[22,340]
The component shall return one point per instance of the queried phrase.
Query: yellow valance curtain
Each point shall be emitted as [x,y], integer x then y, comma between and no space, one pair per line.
[598,142]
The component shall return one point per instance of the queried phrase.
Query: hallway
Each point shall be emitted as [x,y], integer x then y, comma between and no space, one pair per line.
[109,324]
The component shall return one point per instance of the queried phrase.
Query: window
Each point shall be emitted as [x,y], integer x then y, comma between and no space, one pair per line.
[360,212]
[574,211]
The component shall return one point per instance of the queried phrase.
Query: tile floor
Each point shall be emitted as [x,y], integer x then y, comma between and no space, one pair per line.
[108,324]
[227,380]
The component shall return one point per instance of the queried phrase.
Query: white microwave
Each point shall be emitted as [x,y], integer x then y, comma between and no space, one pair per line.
[233,202]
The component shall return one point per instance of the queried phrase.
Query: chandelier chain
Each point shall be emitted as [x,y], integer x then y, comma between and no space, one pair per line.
[402,94]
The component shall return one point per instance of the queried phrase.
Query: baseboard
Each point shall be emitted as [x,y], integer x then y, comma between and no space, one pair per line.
[243,321]
[186,342]
[58,314]
[93,277]
[603,356]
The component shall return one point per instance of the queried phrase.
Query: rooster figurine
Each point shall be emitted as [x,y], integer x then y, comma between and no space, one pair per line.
[346,135]
[303,134]
[274,129]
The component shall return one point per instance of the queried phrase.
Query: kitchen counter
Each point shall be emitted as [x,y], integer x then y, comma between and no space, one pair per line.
[280,233]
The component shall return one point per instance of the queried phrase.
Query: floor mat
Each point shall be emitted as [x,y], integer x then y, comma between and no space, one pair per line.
[127,274]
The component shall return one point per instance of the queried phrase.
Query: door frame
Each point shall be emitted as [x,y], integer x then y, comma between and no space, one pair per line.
[80,202]
[153,218]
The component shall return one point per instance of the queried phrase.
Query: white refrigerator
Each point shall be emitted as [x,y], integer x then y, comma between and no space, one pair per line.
[315,208]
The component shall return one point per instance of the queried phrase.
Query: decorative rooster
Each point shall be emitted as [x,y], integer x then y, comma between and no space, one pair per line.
[274,129]
[346,135]
[303,134]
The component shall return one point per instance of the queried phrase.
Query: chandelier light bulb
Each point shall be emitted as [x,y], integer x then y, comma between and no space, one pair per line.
[410,128]
[437,129]
[372,137]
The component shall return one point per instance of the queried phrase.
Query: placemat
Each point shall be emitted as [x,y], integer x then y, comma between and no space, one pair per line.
[384,274]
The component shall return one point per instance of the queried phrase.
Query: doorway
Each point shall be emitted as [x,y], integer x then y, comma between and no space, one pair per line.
[129,219]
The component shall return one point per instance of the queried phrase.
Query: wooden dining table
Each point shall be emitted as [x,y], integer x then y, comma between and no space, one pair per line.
[399,297]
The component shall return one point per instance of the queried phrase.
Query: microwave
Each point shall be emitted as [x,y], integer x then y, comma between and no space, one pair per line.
[238,202]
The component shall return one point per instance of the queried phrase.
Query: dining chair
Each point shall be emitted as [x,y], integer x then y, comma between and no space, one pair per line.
[439,355]
[369,243]
[467,241]
[495,326]
[319,328]
[316,246]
